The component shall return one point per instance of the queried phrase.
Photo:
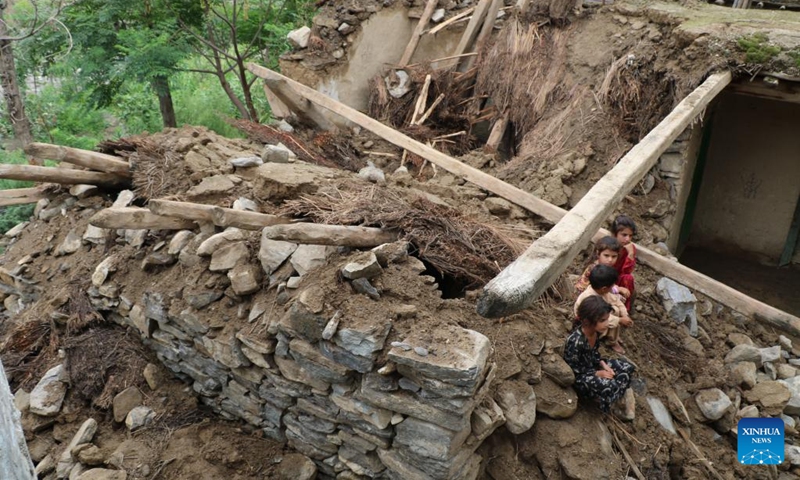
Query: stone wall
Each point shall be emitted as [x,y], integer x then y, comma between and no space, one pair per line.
[15,463]
[322,379]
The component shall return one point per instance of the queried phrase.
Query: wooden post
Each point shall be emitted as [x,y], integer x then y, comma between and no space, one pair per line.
[519,284]
[306,111]
[680,273]
[276,106]
[486,31]
[472,29]
[20,196]
[60,175]
[222,217]
[321,234]
[137,219]
[474,175]
[423,22]
[84,158]
[497,134]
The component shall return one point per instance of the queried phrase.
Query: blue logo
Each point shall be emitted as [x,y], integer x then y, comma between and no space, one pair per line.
[760,441]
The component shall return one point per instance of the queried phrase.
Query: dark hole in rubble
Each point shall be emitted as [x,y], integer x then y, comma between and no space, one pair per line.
[450,285]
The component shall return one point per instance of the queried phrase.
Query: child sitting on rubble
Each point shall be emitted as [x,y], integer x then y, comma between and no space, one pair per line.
[606,251]
[601,282]
[624,228]
[605,381]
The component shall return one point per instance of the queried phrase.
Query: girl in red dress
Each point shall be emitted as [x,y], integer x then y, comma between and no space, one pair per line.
[624,228]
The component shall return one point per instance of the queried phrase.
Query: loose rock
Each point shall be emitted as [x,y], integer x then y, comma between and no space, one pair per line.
[125,401]
[713,403]
[139,417]
[517,400]
[48,395]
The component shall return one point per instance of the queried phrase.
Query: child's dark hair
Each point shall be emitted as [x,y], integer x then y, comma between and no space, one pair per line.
[593,309]
[603,276]
[606,243]
[623,221]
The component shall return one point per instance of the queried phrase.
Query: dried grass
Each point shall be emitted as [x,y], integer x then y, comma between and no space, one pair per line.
[155,171]
[661,343]
[455,244]
[271,135]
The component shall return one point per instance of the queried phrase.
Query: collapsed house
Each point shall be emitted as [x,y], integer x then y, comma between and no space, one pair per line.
[337,313]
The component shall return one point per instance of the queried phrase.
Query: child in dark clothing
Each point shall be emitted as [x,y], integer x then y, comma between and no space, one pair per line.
[601,283]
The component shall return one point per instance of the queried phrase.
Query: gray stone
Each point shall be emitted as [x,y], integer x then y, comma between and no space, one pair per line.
[395,252]
[158,259]
[245,162]
[365,265]
[48,395]
[679,302]
[486,418]
[91,456]
[84,435]
[785,342]
[296,373]
[364,287]
[373,174]
[554,401]
[786,371]
[793,454]
[200,299]
[361,337]
[125,401]
[769,370]
[151,376]
[404,402]
[744,353]
[744,374]
[750,411]
[71,244]
[788,421]
[216,185]
[276,154]
[102,270]
[45,466]
[179,241]
[103,474]
[139,417]
[517,400]
[461,361]
[331,326]
[771,354]
[771,395]
[245,204]
[316,364]
[398,83]
[677,408]
[211,244]
[22,400]
[299,37]
[661,414]
[349,360]
[429,440]
[16,230]
[245,279]
[309,257]
[378,417]
[295,466]
[229,256]
[558,370]
[438,15]
[713,403]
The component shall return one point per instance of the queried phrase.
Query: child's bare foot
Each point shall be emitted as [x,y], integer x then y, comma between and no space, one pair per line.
[618,348]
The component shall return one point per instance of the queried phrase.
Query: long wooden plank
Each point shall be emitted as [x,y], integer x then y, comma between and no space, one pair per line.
[472,29]
[479,178]
[84,158]
[222,217]
[32,198]
[680,273]
[60,175]
[520,283]
[338,235]
[417,34]
[485,33]
[137,219]
[19,192]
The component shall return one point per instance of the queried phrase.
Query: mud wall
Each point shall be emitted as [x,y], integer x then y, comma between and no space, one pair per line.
[323,379]
[751,180]
[15,463]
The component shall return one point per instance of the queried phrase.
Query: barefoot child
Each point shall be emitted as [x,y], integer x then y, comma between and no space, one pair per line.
[601,282]
[624,229]
[606,252]
[605,381]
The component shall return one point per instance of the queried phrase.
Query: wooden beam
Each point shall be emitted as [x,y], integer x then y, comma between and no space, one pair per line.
[472,29]
[449,21]
[486,31]
[479,178]
[222,217]
[415,36]
[680,273]
[306,111]
[137,219]
[7,202]
[497,134]
[60,175]
[321,234]
[521,283]
[20,192]
[84,158]
[276,106]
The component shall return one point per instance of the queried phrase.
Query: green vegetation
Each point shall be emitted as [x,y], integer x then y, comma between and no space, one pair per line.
[757,48]
[795,55]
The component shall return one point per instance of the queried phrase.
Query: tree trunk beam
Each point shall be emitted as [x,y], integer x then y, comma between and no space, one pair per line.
[33,198]
[497,134]
[84,158]
[61,175]
[519,284]
[479,178]
[135,218]
[418,31]
[338,235]
[221,217]
[21,192]
[286,91]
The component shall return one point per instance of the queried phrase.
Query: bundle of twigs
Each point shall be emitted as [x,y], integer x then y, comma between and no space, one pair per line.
[464,247]
[271,135]
[663,342]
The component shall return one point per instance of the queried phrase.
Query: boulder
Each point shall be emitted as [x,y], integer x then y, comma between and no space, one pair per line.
[517,400]
[245,279]
[277,154]
[229,256]
[179,242]
[48,395]
[737,338]
[786,371]
[661,414]
[216,185]
[713,403]
[279,181]
[139,417]
[273,253]
[71,244]
[246,162]
[211,244]
[430,440]
[84,435]
[558,370]
[554,401]
[365,265]
[744,353]
[770,354]
[679,302]
[309,257]
[299,37]
[744,374]
[125,401]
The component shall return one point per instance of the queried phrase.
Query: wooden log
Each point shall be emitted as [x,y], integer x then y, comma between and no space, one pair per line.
[32,195]
[520,283]
[681,274]
[320,234]
[417,34]
[276,106]
[306,111]
[497,134]
[65,176]
[84,158]
[449,21]
[135,218]
[222,217]
[20,192]
[472,29]
[486,31]
[479,178]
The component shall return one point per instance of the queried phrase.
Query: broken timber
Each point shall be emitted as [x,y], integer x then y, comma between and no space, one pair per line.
[418,31]
[520,283]
[680,273]
[219,216]
[20,196]
[84,158]
[337,235]
[65,176]
[135,218]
